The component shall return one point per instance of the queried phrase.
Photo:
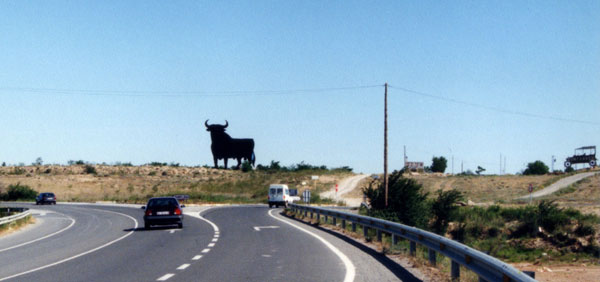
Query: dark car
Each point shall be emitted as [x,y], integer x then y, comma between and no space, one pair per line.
[45,198]
[163,211]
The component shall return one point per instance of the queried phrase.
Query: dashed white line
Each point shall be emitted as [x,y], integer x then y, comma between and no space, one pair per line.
[183,266]
[215,239]
[165,277]
[197,257]
[217,236]
[211,245]
[205,251]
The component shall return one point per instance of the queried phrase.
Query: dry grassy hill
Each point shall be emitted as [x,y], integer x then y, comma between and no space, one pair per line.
[136,184]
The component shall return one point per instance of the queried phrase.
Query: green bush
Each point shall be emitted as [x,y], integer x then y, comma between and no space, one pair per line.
[569,169]
[246,166]
[19,192]
[443,209]
[407,203]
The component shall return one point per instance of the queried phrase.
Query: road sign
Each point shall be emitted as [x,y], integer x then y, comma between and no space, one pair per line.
[336,188]
[306,196]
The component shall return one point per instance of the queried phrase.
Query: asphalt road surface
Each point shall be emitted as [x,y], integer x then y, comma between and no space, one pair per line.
[248,243]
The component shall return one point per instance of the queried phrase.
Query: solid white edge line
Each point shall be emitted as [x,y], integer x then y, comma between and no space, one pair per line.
[165,277]
[42,238]
[81,254]
[350,269]
[183,266]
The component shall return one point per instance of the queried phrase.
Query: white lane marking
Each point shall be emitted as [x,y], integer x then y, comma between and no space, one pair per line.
[216,236]
[267,256]
[81,254]
[211,245]
[215,239]
[197,215]
[350,270]
[258,228]
[197,257]
[165,277]
[183,266]
[205,251]
[42,238]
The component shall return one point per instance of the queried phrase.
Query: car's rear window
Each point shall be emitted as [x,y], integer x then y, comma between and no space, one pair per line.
[162,203]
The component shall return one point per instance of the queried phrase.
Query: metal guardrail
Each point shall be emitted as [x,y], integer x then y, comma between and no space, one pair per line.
[486,267]
[23,212]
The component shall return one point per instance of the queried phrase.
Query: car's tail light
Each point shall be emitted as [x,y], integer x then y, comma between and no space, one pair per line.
[177,211]
[148,212]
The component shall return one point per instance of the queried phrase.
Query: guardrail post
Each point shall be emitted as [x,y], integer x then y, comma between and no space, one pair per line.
[353,227]
[334,221]
[432,256]
[326,219]
[455,271]
[344,224]
[365,231]
[318,217]
[378,235]
[305,213]
[394,239]
[413,248]
[311,215]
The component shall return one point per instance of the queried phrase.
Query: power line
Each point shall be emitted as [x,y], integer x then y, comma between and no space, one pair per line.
[142,93]
[496,109]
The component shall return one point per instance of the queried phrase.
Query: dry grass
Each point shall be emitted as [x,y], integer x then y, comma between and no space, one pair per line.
[135,184]
[583,195]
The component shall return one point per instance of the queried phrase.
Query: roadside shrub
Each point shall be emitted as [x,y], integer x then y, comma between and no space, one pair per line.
[20,192]
[443,208]
[407,203]
[569,169]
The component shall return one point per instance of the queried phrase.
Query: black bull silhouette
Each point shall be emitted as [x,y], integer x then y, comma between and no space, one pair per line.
[224,147]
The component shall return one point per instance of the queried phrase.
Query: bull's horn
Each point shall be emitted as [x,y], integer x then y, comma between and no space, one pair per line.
[226,124]
[206,123]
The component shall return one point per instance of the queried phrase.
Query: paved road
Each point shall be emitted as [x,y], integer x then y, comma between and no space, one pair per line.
[563,183]
[248,243]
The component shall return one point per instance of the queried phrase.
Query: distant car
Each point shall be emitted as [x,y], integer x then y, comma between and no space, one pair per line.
[279,195]
[163,211]
[45,198]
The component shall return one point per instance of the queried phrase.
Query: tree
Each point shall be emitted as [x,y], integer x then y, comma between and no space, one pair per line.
[479,170]
[38,161]
[536,168]
[569,169]
[438,164]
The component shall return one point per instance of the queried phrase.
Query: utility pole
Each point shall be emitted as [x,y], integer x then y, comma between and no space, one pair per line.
[404,157]
[461,167]
[385,147]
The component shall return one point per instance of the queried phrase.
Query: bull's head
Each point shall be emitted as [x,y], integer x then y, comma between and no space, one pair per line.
[216,127]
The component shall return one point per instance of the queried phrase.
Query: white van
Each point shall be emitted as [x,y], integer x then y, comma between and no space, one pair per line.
[279,195]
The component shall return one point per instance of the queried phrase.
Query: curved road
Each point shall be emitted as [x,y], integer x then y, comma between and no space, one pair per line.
[247,243]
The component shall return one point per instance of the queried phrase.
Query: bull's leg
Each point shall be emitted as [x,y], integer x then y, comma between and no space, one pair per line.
[225,160]
[216,162]
[239,162]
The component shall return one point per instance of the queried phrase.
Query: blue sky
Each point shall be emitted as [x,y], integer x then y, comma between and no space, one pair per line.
[134,81]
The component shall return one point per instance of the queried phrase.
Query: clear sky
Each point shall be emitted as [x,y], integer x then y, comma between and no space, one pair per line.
[134,81]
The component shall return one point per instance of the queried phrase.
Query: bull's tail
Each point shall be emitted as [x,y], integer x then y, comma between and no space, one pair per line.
[253,159]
